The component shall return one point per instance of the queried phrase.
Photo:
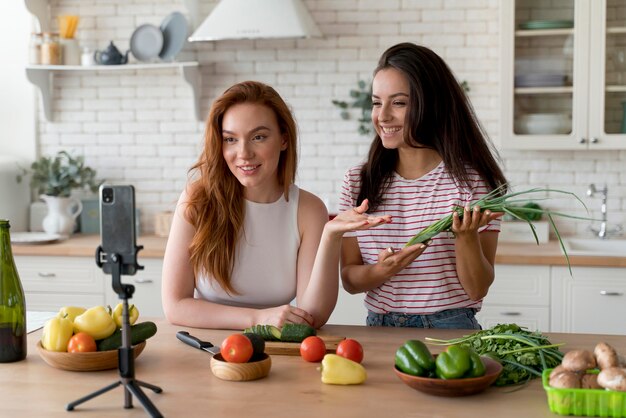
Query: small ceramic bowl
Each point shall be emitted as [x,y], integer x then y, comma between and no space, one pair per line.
[453,387]
[240,371]
[84,362]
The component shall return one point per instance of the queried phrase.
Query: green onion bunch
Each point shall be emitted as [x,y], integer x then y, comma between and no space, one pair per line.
[510,204]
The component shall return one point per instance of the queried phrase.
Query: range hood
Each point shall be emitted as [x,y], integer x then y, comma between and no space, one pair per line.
[256,19]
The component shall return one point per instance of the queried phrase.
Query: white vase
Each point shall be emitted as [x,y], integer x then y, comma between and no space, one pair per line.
[62,214]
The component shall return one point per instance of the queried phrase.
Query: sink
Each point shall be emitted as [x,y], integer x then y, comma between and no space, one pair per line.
[595,246]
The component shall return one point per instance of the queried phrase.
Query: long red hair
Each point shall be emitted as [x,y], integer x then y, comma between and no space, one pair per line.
[215,199]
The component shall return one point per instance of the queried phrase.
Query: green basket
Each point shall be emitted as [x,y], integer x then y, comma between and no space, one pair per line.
[584,402]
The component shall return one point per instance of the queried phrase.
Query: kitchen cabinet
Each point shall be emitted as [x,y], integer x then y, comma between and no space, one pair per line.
[53,282]
[563,75]
[592,301]
[147,284]
[42,76]
[519,294]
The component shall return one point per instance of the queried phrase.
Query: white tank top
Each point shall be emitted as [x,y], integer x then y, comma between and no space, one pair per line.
[264,272]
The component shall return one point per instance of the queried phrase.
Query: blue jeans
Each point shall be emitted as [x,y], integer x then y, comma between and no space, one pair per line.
[462,318]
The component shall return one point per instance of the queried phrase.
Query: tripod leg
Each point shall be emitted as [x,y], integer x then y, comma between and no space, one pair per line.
[154,388]
[70,406]
[143,399]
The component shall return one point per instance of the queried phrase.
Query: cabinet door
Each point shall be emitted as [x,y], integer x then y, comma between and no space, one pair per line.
[52,302]
[592,301]
[532,318]
[607,94]
[71,275]
[545,74]
[147,282]
[518,285]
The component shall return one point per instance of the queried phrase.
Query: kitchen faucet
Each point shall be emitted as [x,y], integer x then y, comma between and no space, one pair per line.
[601,232]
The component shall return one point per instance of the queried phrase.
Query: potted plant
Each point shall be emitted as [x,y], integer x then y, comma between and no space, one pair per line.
[53,179]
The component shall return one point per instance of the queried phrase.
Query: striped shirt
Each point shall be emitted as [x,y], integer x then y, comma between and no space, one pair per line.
[430,283]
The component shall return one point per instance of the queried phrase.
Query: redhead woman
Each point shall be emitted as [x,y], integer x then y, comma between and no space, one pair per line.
[245,240]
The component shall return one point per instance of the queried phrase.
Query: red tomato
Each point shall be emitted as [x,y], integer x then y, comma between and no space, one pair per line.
[81,342]
[237,348]
[350,349]
[312,349]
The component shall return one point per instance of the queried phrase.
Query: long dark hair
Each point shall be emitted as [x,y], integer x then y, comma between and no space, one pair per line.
[439,117]
[216,203]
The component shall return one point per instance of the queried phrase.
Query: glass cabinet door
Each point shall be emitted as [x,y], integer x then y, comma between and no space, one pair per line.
[544,69]
[612,119]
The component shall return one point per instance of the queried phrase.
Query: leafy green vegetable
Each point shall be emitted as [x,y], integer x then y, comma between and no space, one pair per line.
[522,353]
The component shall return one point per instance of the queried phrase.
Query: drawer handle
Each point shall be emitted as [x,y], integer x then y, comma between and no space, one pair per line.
[607,293]
[140,281]
[46,275]
[510,313]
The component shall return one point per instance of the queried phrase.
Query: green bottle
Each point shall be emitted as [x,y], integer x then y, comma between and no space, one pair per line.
[12,304]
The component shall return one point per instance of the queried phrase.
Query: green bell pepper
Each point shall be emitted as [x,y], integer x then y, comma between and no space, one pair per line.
[453,363]
[477,367]
[414,358]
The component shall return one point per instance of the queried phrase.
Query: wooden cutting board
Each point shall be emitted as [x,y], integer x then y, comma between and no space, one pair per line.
[293,349]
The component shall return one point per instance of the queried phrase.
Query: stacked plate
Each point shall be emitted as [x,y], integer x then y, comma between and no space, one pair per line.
[543,124]
[540,80]
[149,42]
[547,24]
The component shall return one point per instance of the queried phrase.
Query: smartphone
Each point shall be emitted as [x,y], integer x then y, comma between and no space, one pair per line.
[117,226]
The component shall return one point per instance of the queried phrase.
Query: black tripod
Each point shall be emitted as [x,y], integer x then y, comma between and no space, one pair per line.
[126,363]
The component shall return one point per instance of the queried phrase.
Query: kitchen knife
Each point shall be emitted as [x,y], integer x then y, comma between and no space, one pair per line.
[189,339]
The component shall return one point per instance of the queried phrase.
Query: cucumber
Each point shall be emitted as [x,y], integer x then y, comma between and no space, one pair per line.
[296,332]
[138,333]
[267,332]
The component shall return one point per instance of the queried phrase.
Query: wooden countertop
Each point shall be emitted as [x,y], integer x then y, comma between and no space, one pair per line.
[293,388]
[154,247]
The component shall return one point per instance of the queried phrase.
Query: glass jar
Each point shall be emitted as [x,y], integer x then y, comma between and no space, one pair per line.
[50,49]
[34,48]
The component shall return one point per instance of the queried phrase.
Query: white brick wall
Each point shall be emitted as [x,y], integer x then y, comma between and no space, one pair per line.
[139,127]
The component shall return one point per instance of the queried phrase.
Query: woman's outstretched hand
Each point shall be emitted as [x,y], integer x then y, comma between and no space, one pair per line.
[392,261]
[356,219]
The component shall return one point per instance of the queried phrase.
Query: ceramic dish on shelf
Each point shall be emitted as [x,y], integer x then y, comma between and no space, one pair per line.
[540,80]
[174,29]
[146,42]
[27,238]
[543,124]
[547,24]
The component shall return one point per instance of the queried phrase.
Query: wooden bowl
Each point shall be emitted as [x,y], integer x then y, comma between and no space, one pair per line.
[240,371]
[84,362]
[454,387]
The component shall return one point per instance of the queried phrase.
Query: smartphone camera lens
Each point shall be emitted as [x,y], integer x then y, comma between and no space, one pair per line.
[107,195]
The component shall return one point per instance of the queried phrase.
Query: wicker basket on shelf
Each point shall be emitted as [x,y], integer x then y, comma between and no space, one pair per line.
[162,223]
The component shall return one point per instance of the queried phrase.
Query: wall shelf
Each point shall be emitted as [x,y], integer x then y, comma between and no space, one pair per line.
[42,76]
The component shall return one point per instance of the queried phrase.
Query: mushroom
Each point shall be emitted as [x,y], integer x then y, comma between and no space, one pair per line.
[606,356]
[590,381]
[565,380]
[578,361]
[613,378]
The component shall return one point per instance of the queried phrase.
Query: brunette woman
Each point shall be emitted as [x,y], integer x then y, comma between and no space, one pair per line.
[428,156]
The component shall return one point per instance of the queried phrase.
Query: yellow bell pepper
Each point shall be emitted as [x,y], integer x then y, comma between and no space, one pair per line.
[71,312]
[56,334]
[337,370]
[96,322]
[133,314]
